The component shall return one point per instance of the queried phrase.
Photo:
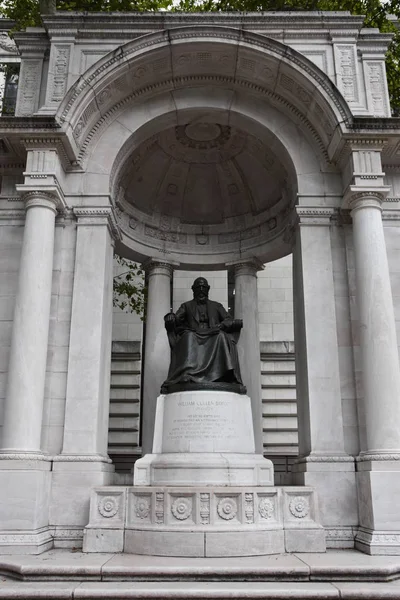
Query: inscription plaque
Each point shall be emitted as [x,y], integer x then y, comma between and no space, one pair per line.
[207,422]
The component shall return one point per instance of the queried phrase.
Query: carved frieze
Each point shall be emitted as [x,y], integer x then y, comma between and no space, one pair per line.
[29,86]
[60,72]
[346,72]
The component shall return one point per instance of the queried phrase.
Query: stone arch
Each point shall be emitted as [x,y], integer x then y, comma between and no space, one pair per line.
[221,56]
[248,83]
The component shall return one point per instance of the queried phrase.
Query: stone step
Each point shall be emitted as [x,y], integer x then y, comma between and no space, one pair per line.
[32,576]
[124,409]
[279,395]
[273,408]
[279,423]
[123,423]
[122,438]
[182,590]
[125,395]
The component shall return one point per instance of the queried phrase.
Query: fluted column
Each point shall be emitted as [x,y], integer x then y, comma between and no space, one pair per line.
[27,367]
[246,308]
[157,351]
[379,353]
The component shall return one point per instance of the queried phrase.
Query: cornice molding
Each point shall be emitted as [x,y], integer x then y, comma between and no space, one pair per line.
[98,216]
[315,215]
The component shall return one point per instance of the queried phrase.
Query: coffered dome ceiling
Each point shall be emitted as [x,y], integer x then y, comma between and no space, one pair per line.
[204,184]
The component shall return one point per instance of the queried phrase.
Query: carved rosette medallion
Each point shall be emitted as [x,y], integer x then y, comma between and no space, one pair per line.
[227,508]
[266,508]
[108,506]
[299,507]
[142,508]
[182,508]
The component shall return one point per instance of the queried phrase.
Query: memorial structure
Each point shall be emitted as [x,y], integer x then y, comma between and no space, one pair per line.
[201,144]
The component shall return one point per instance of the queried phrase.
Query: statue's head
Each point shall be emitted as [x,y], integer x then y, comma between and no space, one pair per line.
[200,289]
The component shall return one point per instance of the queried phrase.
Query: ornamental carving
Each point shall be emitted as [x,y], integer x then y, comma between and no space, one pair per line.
[159,508]
[61,64]
[347,73]
[299,507]
[182,508]
[227,508]
[205,508]
[142,508]
[28,88]
[108,506]
[249,507]
[266,508]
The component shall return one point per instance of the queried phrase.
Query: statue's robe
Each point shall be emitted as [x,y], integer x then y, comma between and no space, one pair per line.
[200,351]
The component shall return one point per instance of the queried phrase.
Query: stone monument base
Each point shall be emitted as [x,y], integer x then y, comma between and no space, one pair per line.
[204,521]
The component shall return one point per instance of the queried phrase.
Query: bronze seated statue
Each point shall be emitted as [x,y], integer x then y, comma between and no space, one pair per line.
[203,338]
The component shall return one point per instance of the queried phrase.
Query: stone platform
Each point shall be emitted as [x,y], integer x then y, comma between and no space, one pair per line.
[65,574]
[204,521]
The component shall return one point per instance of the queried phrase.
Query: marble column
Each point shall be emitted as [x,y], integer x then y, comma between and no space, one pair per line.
[379,354]
[24,469]
[378,474]
[27,367]
[246,308]
[323,462]
[83,462]
[156,351]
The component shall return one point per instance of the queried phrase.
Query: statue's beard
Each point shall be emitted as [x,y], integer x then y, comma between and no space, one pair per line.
[201,299]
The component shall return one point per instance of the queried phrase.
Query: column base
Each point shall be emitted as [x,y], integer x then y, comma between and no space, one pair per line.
[24,505]
[204,521]
[72,481]
[26,542]
[375,543]
[334,479]
[378,485]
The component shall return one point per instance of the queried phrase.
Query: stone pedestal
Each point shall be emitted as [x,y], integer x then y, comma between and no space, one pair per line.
[203,438]
[204,521]
[204,491]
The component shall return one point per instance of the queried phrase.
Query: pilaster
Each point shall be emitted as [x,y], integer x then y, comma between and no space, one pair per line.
[83,461]
[323,462]
[32,50]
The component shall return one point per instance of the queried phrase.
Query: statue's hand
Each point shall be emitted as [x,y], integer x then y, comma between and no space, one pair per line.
[169,321]
[226,325]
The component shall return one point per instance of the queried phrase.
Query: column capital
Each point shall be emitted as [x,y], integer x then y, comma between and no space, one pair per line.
[43,199]
[49,197]
[157,266]
[98,216]
[356,198]
[314,215]
[246,266]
